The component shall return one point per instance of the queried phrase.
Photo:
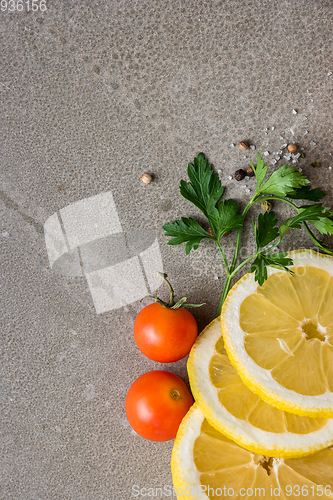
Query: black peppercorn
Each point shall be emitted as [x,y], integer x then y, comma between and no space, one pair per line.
[239,175]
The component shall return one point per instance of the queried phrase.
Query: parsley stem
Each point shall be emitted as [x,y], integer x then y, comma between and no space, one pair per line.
[224,258]
[277,198]
[239,232]
[224,294]
[243,264]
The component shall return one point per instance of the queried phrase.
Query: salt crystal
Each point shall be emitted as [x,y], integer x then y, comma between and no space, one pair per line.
[294,112]
[266,153]
[244,186]
[265,129]
[5,234]
[273,128]
[273,162]
[329,73]
[311,100]
[283,146]
[330,154]
[287,157]
[216,278]
[300,170]
[308,91]
[312,143]
[295,161]
[305,117]
[230,178]
[302,149]
[282,138]
[265,133]
[219,171]
[295,156]
[330,168]
[244,157]
[305,132]
[232,145]
[247,178]
[247,190]
[278,158]
[252,147]
[275,153]
[280,152]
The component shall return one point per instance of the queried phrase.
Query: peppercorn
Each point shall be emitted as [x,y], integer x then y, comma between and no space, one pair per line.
[292,148]
[239,175]
[250,171]
[243,145]
[146,178]
[266,205]
[227,233]
[209,231]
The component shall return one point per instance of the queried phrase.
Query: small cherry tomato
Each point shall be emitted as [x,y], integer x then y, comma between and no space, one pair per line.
[165,332]
[156,403]
[165,335]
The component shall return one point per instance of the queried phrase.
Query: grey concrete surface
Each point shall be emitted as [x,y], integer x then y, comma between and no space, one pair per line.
[93,94]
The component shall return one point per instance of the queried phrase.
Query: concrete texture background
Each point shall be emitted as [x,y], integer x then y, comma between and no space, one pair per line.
[93,94]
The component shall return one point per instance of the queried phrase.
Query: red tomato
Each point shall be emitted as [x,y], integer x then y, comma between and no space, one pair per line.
[165,335]
[156,403]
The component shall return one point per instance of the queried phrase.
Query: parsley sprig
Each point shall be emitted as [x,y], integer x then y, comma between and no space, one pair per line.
[204,190]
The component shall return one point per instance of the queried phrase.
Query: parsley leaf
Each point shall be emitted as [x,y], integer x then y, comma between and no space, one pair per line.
[185,230]
[224,218]
[306,193]
[204,189]
[317,242]
[266,231]
[317,215]
[259,265]
[260,170]
[283,181]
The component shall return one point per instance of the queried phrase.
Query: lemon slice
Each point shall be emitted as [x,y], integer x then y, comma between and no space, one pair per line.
[206,464]
[280,336]
[241,415]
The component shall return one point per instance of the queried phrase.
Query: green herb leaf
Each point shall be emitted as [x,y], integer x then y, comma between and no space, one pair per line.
[283,182]
[260,170]
[317,215]
[185,230]
[277,260]
[317,242]
[306,193]
[266,230]
[204,189]
[224,218]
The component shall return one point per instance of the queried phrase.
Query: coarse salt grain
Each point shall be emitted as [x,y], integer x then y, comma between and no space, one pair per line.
[300,170]
[275,153]
[312,143]
[247,190]
[282,138]
[219,171]
[216,278]
[265,133]
[305,117]
[305,132]
[287,157]
[273,161]
[280,152]
[252,147]
[265,129]
[278,158]
[232,145]
[295,161]
[283,146]
[266,153]
[273,128]
[294,112]
[247,178]
[330,168]
[329,73]
[230,177]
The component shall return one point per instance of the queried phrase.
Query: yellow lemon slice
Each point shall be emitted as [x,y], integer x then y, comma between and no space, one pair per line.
[240,414]
[207,465]
[279,336]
